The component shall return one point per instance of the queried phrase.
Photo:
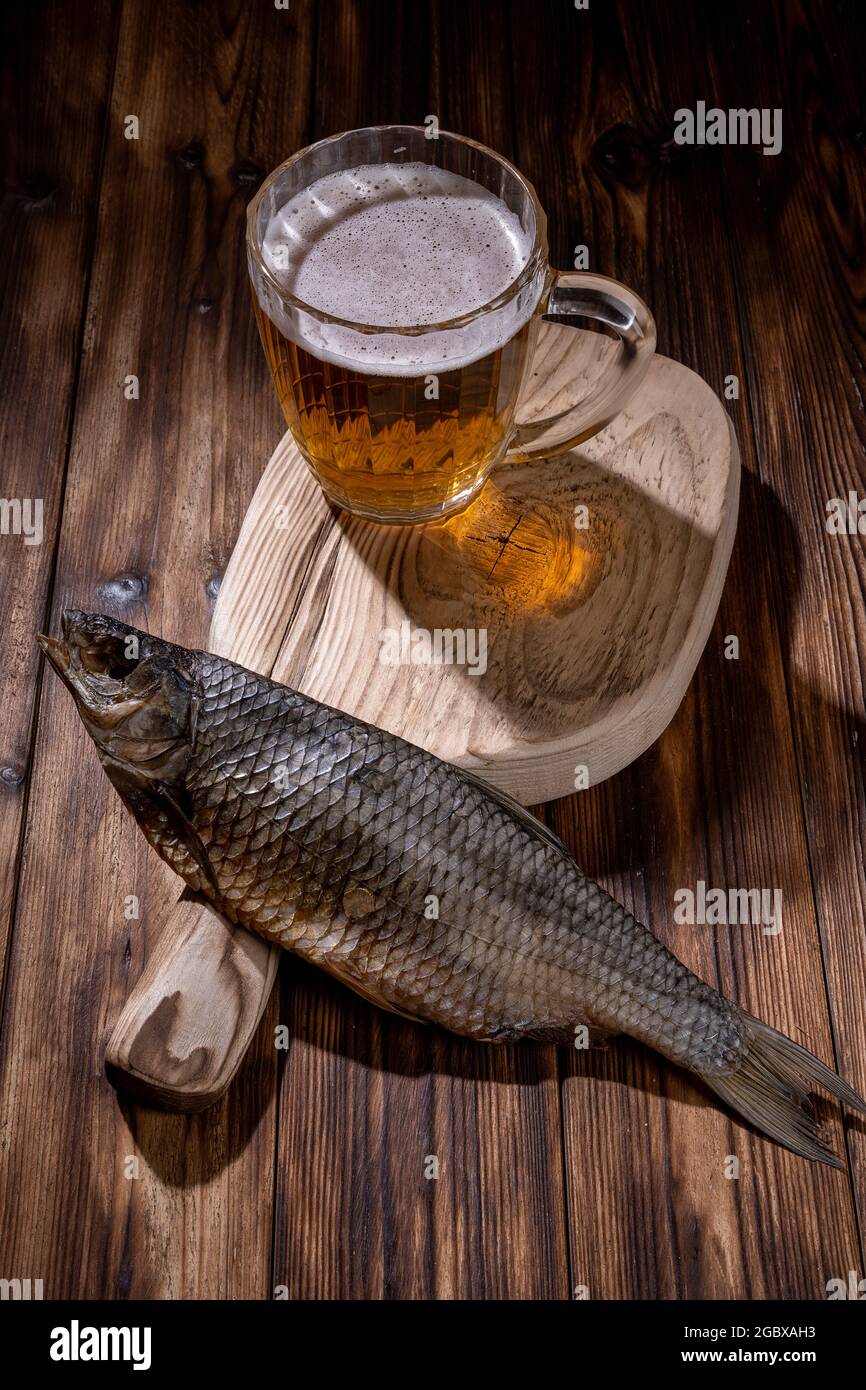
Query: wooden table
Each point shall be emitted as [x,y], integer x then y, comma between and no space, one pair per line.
[124,258]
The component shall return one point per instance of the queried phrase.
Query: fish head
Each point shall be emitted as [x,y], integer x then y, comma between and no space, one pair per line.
[138,698]
[135,694]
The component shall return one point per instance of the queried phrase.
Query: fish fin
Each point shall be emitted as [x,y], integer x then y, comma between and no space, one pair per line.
[771,1087]
[565,1037]
[157,798]
[508,803]
[366,992]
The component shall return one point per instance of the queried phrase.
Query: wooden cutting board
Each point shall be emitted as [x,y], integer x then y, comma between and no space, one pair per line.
[594,578]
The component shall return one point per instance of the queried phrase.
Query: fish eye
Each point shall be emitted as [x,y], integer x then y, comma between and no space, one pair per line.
[107,660]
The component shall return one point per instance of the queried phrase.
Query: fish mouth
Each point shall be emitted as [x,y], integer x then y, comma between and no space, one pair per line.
[80,630]
[129,696]
[58,654]
[135,703]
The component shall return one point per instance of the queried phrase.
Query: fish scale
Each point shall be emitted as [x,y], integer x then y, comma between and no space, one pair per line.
[338,840]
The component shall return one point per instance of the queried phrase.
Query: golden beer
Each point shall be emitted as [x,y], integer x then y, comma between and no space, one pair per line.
[399,279]
[381,445]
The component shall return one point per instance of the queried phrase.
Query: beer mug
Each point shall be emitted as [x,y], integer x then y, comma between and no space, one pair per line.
[399,281]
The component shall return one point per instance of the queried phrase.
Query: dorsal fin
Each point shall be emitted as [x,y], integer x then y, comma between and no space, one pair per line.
[508,803]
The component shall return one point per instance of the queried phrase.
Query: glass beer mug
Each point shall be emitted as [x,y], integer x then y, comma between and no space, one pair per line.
[399,282]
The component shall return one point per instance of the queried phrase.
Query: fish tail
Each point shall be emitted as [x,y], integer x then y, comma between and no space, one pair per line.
[770,1086]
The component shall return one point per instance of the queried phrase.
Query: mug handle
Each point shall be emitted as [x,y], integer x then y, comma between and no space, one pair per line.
[580,294]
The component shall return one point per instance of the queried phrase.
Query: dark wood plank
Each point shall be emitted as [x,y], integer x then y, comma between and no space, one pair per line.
[156,491]
[802,305]
[58,62]
[754,267]
[718,798]
[368,1101]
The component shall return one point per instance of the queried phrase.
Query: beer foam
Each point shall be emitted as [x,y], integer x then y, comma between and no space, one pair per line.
[391,245]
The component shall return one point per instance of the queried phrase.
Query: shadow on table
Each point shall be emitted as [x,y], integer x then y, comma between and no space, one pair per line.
[189,1150]
[328,1021]
[755,745]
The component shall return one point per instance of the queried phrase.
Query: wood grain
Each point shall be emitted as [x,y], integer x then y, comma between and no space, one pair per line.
[207,984]
[718,797]
[58,68]
[366,1100]
[578,668]
[186,1026]
[156,490]
[812,202]
[753,266]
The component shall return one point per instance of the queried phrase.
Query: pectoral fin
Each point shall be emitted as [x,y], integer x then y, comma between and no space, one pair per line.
[152,800]
[366,991]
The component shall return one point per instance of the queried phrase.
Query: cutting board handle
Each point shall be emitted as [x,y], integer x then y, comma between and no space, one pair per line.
[188,1022]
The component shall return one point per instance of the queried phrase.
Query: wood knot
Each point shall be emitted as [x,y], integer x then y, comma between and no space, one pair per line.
[624,155]
[11,776]
[855,130]
[39,191]
[191,156]
[213,585]
[246,174]
[124,588]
